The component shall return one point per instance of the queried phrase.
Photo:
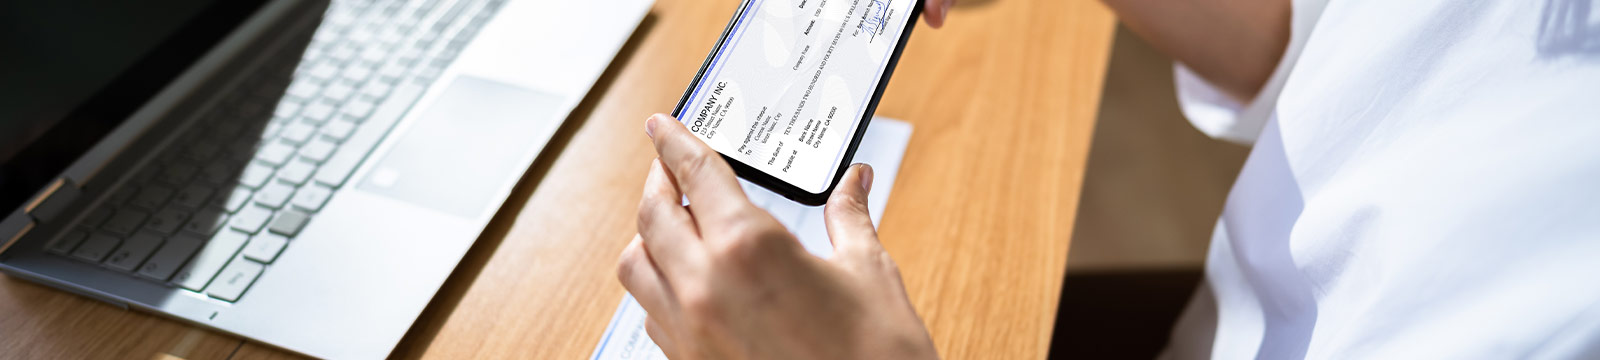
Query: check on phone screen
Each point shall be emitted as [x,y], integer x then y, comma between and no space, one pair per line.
[792,81]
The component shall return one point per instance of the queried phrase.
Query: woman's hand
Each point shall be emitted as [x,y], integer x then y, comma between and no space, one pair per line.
[722,279]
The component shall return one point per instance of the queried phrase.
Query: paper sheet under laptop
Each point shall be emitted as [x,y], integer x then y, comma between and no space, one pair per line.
[883,146]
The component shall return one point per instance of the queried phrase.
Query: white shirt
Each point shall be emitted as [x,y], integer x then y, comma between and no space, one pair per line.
[1424,184]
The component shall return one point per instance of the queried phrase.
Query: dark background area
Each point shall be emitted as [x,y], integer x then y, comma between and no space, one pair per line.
[59,52]
[73,70]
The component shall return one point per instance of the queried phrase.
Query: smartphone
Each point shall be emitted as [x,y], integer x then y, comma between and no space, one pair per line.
[790,87]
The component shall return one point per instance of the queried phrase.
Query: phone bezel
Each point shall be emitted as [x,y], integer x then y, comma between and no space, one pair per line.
[773,183]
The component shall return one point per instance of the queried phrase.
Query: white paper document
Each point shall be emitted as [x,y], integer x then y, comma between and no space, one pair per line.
[883,146]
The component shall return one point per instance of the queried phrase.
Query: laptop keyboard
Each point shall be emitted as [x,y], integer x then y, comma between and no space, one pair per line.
[214,210]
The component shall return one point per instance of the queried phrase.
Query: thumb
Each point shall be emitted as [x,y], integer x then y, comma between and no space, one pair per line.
[848,220]
[934,12]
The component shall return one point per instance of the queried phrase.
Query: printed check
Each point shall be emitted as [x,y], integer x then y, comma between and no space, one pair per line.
[792,81]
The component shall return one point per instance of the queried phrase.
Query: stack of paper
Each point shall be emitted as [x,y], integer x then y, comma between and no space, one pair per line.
[883,146]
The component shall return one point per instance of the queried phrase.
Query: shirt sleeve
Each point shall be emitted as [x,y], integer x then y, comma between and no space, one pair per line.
[1220,116]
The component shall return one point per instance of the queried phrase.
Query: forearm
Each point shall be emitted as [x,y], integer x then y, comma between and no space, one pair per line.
[1234,44]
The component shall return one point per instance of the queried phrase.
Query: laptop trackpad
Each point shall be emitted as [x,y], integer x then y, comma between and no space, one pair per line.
[464,146]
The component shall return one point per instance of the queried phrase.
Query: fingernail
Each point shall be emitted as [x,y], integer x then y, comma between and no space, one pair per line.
[946,9]
[866,178]
[650,126]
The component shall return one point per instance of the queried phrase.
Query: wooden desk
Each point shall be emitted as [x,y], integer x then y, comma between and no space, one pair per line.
[1003,101]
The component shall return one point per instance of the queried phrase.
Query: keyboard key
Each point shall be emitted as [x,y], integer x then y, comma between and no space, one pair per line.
[172,154]
[322,72]
[178,154]
[232,201]
[338,131]
[169,257]
[264,247]
[376,90]
[271,79]
[358,110]
[297,133]
[193,196]
[244,147]
[179,174]
[296,172]
[356,74]
[234,280]
[390,38]
[443,58]
[66,243]
[359,35]
[430,73]
[313,52]
[412,56]
[212,256]
[190,136]
[218,172]
[153,197]
[249,108]
[338,92]
[311,198]
[96,217]
[226,128]
[179,148]
[288,222]
[125,222]
[150,172]
[274,195]
[392,73]
[275,153]
[255,175]
[277,122]
[304,90]
[337,169]
[317,113]
[167,221]
[268,133]
[124,194]
[287,109]
[133,251]
[318,150]
[250,219]
[96,247]
[373,55]
[206,222]
[204,151]
[341,54]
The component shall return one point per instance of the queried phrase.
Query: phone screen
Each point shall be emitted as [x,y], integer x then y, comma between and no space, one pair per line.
[792,81]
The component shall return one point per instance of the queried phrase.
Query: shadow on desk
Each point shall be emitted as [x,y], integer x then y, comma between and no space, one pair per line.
[1120,314]
[1151,195]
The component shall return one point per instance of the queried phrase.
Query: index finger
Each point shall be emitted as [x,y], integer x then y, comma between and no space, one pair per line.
[669,232]
[702,174]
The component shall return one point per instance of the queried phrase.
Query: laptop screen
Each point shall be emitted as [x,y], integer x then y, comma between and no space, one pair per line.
[72,70]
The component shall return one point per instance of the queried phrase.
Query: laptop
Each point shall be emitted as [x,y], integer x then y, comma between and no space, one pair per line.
[301,173]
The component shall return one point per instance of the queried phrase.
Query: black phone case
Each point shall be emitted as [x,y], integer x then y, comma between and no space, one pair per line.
[773,183]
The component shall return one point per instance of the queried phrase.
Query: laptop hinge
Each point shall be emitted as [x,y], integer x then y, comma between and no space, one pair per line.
[13,228]
[52,200]
[44,206]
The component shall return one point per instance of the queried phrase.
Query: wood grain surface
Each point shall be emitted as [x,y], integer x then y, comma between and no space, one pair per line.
[1003,101]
